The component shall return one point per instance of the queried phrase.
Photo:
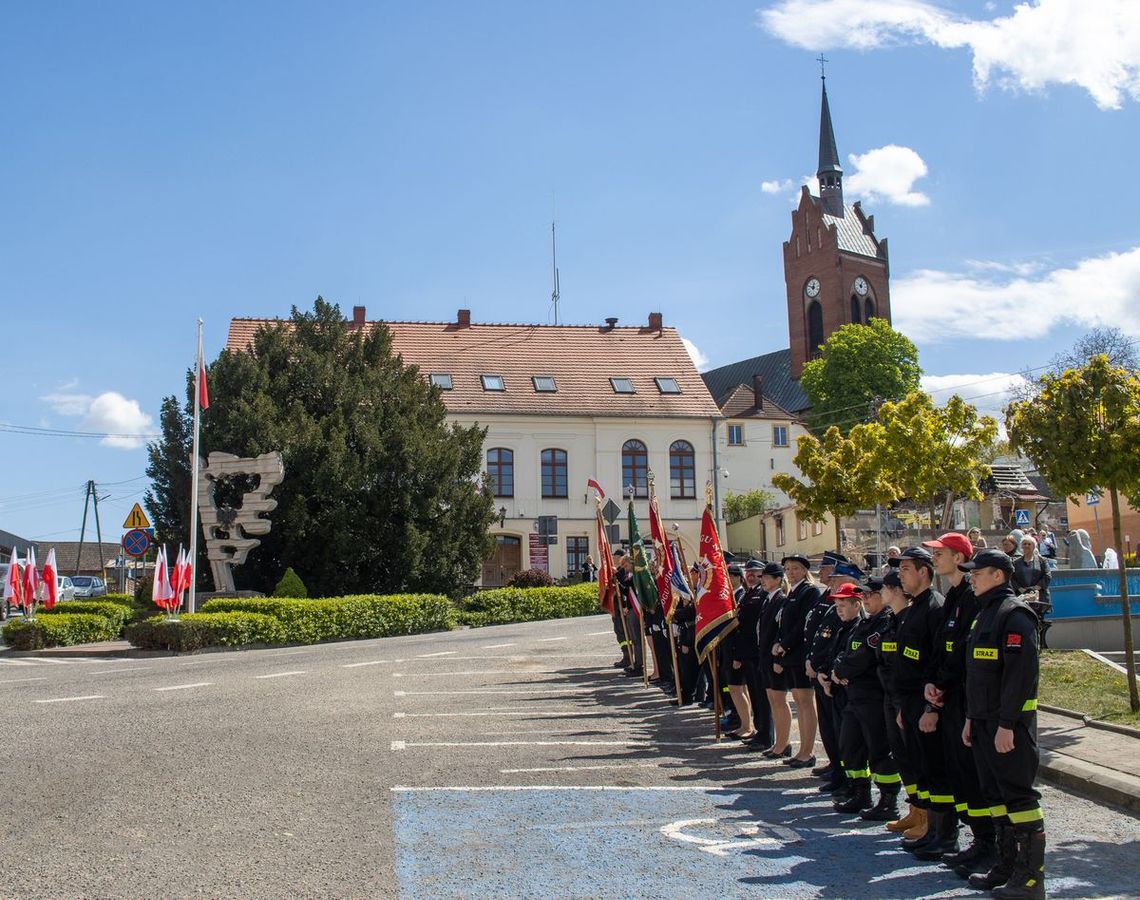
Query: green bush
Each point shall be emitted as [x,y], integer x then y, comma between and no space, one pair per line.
[195,631]
[121,599]
[118,614]
[290,585]
[58,631]
[531,578]
[501,606]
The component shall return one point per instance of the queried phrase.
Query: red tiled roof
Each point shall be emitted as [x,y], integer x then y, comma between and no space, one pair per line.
[580,358]
[741,403]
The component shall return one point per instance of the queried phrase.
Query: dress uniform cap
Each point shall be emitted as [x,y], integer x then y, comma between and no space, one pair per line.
[919,555]
[754,565]
[773,570]
[849,569]
[832,558]
[959,543]
[891,579]
[873,584]
[988,559]
[735,571]
[797,558]
[619,552]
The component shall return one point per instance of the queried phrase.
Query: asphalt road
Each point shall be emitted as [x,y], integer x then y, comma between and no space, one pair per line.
[499,762]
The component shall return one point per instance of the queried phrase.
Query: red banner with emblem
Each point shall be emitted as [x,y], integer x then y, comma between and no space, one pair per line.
[663,558]
[607,576]
[716,613]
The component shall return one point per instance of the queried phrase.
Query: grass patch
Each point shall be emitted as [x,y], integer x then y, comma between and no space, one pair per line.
[1074,680]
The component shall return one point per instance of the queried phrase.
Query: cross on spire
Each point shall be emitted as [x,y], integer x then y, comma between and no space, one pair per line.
[823,61]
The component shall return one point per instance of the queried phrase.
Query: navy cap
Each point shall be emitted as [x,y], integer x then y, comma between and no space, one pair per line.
[735,571]
[891,579]
[774,570]
[832,558]
[988,559]
[619,552]
[873,583]
[848,569]
[726,556]
[754,565]
[919,555]
[797,557]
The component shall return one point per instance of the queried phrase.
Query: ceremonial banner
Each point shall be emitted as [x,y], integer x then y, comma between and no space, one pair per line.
[643,585]
[607,577]
[716,614]
[51,580]
[663,558]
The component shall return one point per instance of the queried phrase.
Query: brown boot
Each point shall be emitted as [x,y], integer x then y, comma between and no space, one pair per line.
[918,829]
[900,825]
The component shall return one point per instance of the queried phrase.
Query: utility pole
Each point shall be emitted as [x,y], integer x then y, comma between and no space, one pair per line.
[88,490]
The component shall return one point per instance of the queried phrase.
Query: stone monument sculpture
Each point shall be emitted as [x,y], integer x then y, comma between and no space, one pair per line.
[228,528]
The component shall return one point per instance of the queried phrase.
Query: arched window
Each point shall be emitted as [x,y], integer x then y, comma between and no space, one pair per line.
[682,471]
[815,328]
[501,468]
[855,310]
[635,468]
[553,473]
[869,306]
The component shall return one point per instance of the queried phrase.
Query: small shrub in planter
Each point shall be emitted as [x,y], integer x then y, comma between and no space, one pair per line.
[531,578]
[118,614]
[196,631]
[290,585]
[58,631]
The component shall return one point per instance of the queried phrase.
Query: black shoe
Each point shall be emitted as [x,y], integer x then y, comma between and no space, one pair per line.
[772,753]
[1000,871]
[823,771]
[633,673]
[833,786]
[978,857]
[945,839]
[800,763]
[1027,880]
[886,810]
[621,664]
[858,799]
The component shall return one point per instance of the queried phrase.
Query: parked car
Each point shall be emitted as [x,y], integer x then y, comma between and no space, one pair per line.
[64,588]
[88,586]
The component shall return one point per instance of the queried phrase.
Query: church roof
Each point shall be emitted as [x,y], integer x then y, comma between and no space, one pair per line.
[853,231]
[828,152]
[774,368]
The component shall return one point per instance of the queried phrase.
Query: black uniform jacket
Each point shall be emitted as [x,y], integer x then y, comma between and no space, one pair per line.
[768,625]
[888,649]
[742,642]
[958,613]
[1001,660]
[914,662]
[858,660]
[685,618]
[790,635]
[824,625]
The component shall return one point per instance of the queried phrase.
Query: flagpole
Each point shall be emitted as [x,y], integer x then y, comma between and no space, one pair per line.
[191,598]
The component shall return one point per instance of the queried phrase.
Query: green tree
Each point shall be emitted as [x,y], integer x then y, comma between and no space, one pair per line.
[934,454]
[168,467]
[738,507]
[1081,430]
[842,474]
[290,585]
[860,365]
[380,494]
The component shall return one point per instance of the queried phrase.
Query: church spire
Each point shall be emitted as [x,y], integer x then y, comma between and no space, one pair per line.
[830,173]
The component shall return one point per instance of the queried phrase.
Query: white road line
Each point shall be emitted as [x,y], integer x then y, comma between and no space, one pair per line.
[516,657]
[537,713]
[118,669]
[702,788]
[527,691]
[548,640]
[441,653]
[285,652]
[282,674]
[44,660]
[645,765]
[648,743]
[373,662]
[183,687]
[17,662]
[596,633]
[70,699]
[494,672]
[498,646]
[21,680]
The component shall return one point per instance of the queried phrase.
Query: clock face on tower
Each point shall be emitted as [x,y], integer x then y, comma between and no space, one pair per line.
[861,286]
[811,289]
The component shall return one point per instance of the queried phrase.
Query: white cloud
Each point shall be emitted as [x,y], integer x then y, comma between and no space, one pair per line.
[988,393]
[1095,46]
[888,173]
[777,187]
[699,359]
[109,413]
[932,306]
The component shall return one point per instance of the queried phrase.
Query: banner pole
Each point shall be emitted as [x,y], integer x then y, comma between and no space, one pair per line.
[191,597]
[644,667]
[673,653]
[716,691]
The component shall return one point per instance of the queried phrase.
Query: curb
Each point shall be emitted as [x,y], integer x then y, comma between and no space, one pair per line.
[1092,781]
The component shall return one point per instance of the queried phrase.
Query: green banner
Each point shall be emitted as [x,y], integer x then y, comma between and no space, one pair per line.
[644,585]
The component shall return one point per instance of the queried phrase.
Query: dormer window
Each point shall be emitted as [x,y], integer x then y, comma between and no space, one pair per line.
[668,385]
[544,384]
[441,380]
[493,382]
[622,385]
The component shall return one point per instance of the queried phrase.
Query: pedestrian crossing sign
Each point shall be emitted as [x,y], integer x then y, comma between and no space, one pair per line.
[1021,517]
[136,518]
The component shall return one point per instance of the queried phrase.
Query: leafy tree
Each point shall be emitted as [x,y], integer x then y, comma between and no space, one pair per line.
[1081,430]
[738,507]
[290,585]
[842,474]
[860,366]
[168,467]
[936,453]
[380,493]
[1111,342]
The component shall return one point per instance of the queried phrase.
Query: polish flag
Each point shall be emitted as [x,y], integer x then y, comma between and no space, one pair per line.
[203,390]
[51,580]
[13,586]
[162,593]
[591,483]
[31,580]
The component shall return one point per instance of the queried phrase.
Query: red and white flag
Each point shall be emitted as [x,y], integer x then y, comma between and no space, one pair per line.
[51,580]
[203,390]
[716,614]
[31,581]
[607,576]
[13,584]
[591,483]
[664,559]
[162,593]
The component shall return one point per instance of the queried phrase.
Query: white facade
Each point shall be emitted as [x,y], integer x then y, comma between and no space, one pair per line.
[768,447]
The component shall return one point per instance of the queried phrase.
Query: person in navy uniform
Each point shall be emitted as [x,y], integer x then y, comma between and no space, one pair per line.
[775,685]
[850,760]
[1002,671]
[790,650]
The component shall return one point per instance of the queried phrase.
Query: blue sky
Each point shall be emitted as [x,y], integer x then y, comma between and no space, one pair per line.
[167,162]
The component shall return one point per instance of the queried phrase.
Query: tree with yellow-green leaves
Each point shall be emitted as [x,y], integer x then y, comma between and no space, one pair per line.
[1082,430]
[841,474]
[935,454]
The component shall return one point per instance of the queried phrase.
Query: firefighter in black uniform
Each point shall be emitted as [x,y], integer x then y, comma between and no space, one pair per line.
[1001,728]
[848,605]
[914,669]
[684,629]
[624,644]
[635,652]
[820,628]
[857,668]
[948,693]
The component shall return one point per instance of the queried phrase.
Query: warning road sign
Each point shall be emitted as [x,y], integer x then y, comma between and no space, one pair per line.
[136,518]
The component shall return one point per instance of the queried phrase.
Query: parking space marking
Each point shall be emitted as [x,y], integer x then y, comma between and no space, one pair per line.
[548,640]
[599,768]
[71,699]
[184,687]
[118,669]
[22,680]
[281,674]
[371,662]
[498,646]
[441,653]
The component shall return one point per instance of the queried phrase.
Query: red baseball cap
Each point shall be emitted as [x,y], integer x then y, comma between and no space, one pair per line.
[952,540]
[848,592]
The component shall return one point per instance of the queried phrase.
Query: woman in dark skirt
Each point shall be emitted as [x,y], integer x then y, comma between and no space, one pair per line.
[775,683]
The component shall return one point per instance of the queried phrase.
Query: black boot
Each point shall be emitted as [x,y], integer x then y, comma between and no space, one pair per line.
[999,872]
[836,783]
[858,799]
[945,840]
[1027,880]
[933,819]
[887,809]
[978,856]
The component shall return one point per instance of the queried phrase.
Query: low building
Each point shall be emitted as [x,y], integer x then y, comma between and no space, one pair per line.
[563,404]
[10,542]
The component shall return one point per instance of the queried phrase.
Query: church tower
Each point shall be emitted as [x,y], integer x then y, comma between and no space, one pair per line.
[835,270]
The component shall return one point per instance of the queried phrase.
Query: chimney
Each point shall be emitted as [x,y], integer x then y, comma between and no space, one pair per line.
[358,317]
[758,390]
[655,321]
[611,323]
[463,320]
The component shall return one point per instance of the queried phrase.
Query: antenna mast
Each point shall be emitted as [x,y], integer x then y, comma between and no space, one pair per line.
[554,295]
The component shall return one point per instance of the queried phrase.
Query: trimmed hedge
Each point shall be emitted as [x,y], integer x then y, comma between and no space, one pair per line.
[121,599]
[501,606]
[347,618]
[58,631]
[197,630]
[117,613]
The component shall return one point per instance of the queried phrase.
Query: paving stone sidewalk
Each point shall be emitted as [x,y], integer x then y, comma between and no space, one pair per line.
[1091,760]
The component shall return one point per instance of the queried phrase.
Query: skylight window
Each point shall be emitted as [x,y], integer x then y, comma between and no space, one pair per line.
[441,380]
[622,385]
[668,385]
[544,384]
[493,382]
